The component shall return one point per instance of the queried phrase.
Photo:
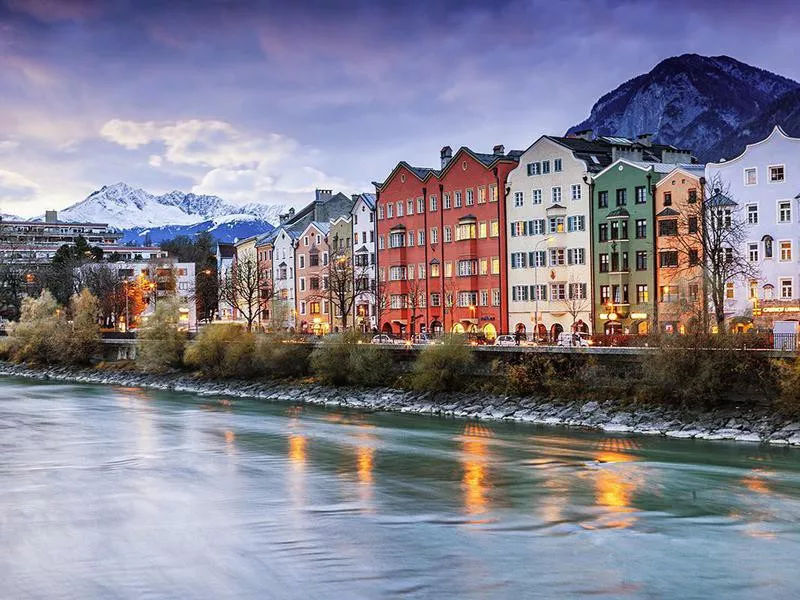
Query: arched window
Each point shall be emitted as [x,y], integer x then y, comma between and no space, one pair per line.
[767,239]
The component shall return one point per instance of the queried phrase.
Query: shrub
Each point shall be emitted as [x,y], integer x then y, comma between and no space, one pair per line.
[443,367]
[40,335]
[160,344]
[222,350]
[85,342]
[346,359]
[280,356]
[789,399]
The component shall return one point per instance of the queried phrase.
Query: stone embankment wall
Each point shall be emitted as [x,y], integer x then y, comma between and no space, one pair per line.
[731,423]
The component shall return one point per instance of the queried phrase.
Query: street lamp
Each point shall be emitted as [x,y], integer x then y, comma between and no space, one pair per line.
[536,288]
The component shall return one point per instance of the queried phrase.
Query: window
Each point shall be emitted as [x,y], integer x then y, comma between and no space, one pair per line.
[575,191]
[436,299]
[470,197]
[397,239]
[641,196]
[534,169]
[558,291]
[576,256]
[467,299]
[445,200]
[537,258]
[669,293]
[421,237]
[622,197]
[411,238]
[421,271]
[605,294]
[667,198]
[619,294]
[557,257]
[776,174]
[301,261]
[692,225]
[434,235]
[410,207]
[619,230]
[495,266]
[420,205]
[389,210]
[692,196]
[302,284]
[694,257]
[641,260]
[641,229]
[381,244]
[519,293]
[545,167]
[313,259]
[380,213]
[604,263]
[576,223]
[536,227]
[603,232]
[302,308]
[434,204]
[556,194]
[411,270]
[668,258]
[457,199]
[492,193]
[577,291]
[694,292]
[602,199]
[448,234]
[494,228]
[556,224]
[723,217]
[557,167]
[483,266]
[399,209]
[729,291]
[539,292]
[448,269]
[752,252]
[750,176]
[752,214]
[519,199]
[786,251]
[434,269]
[496,297]
[482,229]
[481,195]
[784,212]
[313,283]
[465,231]
[642,295]
[787,291]
[767,246]
[398,301]
[519,228]
[668,227]
[467,268]
[537,196]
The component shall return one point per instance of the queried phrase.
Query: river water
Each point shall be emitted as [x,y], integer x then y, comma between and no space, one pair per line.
[123,493]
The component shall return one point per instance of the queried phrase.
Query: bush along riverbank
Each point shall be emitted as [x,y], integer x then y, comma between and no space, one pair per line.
[706,387]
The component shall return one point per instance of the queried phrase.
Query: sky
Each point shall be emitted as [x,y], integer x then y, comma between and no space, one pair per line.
[265,101]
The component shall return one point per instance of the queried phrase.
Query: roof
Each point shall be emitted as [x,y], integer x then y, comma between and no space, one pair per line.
[266,238]
[618,212]
[668,212]
[369,199]
[718,200]
[362,250]
[322,227]
[225,250]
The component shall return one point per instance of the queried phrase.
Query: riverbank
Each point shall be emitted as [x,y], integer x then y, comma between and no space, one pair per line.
[733,423]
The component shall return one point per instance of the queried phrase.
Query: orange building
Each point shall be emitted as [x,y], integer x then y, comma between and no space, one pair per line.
[311,258]
[678,249]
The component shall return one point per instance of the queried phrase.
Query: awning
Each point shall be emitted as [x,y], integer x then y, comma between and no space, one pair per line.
[472,321]
[400,321]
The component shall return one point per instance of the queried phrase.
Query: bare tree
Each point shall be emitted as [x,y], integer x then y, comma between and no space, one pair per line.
[380,297]
[417,290]
[108,287]
[240,287]
[711,237]
[449,303]
[576,302]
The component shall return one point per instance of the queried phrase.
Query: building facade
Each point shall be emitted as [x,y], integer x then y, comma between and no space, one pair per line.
[312,294]
[548,209]
[764,182]
[679,249]
[441,255]
[283,276]
[364,263]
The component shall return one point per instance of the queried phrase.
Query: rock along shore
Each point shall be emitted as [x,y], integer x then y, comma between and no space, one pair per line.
[730,423]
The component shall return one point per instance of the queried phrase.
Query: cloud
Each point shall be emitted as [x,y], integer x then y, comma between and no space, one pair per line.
[14,181]
[8,145]
[57,10]
[233,164]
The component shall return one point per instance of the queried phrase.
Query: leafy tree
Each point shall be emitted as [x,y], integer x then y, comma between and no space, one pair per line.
[84,343]
[161,343]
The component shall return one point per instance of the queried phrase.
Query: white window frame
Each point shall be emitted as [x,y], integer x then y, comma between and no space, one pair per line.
[778,211]
[780,251]
[536,196]
[519,199]
[769,173]
[555,192]
[749,213]
[781,281]
[744,175]
[576,192]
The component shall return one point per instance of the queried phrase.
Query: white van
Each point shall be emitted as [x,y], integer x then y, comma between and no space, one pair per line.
[574,340]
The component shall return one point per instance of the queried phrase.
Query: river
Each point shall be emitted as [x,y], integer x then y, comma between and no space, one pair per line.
[122,493]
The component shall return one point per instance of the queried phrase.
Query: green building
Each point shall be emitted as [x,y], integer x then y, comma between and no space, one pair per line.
[623,246]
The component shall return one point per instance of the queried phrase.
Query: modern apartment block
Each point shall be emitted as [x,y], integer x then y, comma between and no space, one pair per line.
[764,184]
[441,248]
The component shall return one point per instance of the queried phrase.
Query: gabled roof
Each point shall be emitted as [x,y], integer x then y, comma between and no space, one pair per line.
[265,239]
[362,250]
[694,171]
[777,131]
[668,212]
[718,200]
[556,205]
[368,199]
[487,160]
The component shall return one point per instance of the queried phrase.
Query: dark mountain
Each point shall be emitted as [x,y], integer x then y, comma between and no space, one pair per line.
[692,101]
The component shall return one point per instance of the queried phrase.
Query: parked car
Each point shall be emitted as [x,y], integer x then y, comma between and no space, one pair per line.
[574,340]
[422,339]
[382,338]
[505,340]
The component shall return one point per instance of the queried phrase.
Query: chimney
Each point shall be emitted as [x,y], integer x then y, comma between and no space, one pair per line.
[323,195]
[584,134]
[51,216]
[499,150]
[645,139]
[446,155]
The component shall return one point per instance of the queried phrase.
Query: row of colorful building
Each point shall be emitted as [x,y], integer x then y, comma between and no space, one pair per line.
[575,233]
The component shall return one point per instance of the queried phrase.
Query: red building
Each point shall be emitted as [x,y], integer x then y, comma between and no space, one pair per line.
[441,249]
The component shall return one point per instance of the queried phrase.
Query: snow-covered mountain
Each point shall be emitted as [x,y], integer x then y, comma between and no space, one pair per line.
[137,212]
[690,101]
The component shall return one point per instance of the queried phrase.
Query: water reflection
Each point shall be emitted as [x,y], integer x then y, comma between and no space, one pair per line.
[616,481]
[475,458]
[230,439]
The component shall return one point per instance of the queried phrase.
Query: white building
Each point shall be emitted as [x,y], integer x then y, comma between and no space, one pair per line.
[225,254]
[764,182]
[283,270]
[363,219]
[549,250]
